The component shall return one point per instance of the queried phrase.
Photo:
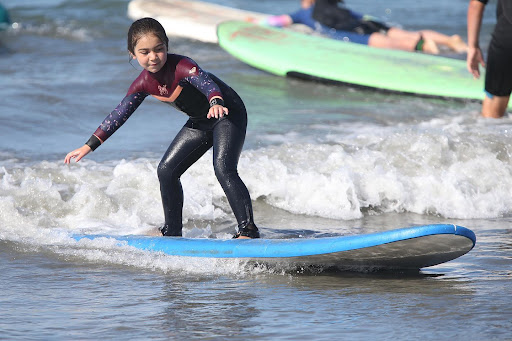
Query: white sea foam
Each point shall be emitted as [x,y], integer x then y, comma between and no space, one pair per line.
[107,250]
[430,168]
[443,167]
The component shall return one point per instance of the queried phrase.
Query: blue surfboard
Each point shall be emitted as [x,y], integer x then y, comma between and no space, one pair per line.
[407,248]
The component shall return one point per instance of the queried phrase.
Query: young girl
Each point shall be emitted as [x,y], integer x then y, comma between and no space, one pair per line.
[179,81]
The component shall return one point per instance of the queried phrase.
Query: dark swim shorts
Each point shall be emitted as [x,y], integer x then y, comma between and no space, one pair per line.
[498,74]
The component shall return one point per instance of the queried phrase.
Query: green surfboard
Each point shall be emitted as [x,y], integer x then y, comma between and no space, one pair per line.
[289,53]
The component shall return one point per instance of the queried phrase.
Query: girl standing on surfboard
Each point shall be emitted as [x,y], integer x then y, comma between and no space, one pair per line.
[179,81]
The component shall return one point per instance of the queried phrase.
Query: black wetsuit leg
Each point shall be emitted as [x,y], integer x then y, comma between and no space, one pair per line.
[227,136]
[228,140]
[187,147]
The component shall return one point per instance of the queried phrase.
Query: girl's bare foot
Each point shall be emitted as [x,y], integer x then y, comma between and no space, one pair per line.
[247,230]
[242,237]
[154,232]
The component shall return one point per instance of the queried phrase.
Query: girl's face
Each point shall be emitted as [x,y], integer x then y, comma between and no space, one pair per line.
[150,52]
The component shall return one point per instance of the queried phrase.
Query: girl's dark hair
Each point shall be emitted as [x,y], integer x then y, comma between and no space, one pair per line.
[142,27]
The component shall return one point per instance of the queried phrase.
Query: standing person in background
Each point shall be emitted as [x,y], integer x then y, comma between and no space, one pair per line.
[341,23]
[498,76]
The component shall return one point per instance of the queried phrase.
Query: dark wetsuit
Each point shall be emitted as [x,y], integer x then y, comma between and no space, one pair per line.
[498,74]
[305,16]
[226,135]
[358,33]
[330,14]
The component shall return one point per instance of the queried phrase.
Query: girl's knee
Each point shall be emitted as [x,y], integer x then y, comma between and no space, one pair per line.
[161,170]
[220,171]
[223,171]
[165,172]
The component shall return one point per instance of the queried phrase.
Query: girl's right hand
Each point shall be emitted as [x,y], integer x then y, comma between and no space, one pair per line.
[77,153]
[217,111]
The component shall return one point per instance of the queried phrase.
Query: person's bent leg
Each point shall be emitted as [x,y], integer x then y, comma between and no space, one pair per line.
[407,43]
[453,42]
[187,147]
[424,43]
[228,140]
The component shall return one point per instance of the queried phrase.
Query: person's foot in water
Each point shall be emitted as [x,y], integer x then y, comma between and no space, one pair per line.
[168,231]
[247,231]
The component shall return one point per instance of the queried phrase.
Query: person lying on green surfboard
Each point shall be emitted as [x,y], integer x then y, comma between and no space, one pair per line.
[328,18]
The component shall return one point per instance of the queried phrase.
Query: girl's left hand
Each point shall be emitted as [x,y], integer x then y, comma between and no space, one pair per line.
[217,111]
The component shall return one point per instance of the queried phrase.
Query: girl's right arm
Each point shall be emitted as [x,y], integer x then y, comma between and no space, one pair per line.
[109,125]
[78,154]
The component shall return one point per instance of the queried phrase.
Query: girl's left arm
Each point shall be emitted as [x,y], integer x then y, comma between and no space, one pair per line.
[204,83]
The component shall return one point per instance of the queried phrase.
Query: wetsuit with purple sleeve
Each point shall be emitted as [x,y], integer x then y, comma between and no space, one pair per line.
[199,91]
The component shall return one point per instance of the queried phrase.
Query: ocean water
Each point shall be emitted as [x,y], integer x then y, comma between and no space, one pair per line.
[319,160]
